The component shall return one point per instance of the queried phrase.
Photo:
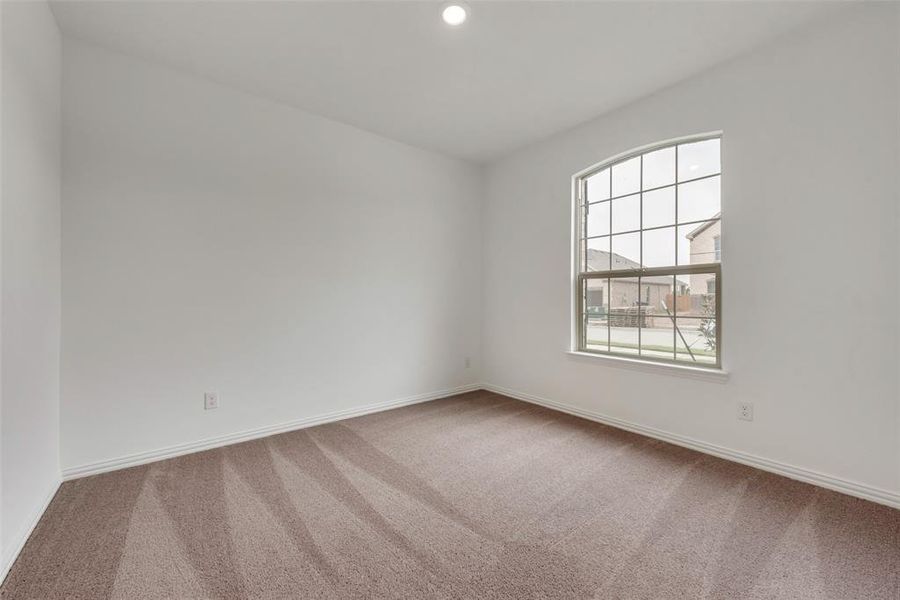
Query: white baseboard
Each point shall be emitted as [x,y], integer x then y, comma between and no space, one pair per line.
[10,555]
[852,488]
[149,456]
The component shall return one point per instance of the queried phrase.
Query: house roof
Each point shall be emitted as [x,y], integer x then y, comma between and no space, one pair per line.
[703,227]
[599,259]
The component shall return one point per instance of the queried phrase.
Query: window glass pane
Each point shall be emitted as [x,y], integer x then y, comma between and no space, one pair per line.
[698,159]
[626,213]
[659,247]
[681,302]
[624,315]
[626,177]
[657,337]
[657,331]
[699,200]
[700,298]
[597,186]
[596,307]
[626,251]
[598,254]
[695,340]
[659,168]
[697,242]
[659,207]
[656,293]
[598,219]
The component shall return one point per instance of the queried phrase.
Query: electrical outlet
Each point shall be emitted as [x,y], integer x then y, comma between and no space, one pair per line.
[468,362]
[745,411]
[210,400]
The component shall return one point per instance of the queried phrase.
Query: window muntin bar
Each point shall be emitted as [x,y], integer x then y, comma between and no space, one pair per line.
[653,189]
[695,223]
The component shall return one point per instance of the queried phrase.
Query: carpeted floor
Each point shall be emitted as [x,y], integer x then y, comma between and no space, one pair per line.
[475,496]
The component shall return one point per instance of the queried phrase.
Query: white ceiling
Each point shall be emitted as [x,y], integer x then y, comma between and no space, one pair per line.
[515,72]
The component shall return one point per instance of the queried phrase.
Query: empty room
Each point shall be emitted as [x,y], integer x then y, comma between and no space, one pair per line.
[448,300]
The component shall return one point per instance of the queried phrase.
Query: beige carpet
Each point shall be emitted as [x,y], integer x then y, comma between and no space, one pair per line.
[475,496]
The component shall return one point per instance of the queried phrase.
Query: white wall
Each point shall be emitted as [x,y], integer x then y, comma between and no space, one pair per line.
[30,303]
[217,241]
[810,197]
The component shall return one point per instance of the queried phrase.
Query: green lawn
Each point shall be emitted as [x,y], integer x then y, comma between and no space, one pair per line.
[627,346]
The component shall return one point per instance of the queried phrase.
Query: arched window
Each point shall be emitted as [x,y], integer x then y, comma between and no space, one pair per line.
[648,254]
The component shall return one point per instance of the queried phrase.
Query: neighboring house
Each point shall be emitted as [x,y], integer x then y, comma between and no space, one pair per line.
[654,292]
[706,247]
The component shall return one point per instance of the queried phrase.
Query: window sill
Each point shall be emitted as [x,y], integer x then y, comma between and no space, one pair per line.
[636,364]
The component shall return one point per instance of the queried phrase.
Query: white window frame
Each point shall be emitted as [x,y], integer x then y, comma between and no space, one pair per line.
[578,346]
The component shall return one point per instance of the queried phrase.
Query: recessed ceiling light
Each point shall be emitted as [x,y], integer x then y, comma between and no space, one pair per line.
[454,13]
